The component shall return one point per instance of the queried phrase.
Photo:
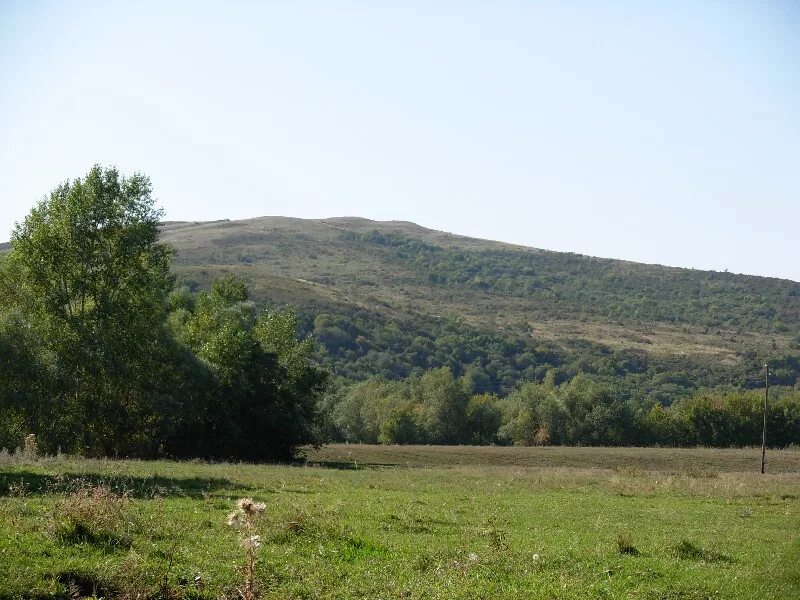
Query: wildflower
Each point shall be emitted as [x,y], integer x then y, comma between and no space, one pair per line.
[243,518]
[472,557]
[252,543]
[251,508]
[535,557]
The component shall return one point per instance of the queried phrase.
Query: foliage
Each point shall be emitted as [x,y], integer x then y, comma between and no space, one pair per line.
[442,403]
[99,354]
[90,281]
[436,409]
[258,399]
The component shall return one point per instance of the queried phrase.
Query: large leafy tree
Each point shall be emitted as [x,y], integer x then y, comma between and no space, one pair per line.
[90,276]
[89,259]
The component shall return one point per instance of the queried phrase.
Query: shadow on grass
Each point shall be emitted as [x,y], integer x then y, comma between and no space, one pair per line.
[353,466]
[80,532]
[25,483]
[688,550]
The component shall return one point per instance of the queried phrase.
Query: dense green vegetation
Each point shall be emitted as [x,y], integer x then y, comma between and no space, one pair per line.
[394,299]
[358,344]
[99,356]
[438,408]
[133,529]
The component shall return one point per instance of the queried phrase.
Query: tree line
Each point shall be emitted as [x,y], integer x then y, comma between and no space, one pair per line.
[439,408]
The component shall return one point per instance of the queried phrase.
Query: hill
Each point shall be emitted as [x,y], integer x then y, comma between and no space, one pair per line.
[393,298]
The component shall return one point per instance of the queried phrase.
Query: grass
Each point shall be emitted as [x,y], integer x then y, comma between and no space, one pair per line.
[439,526]
[696,462]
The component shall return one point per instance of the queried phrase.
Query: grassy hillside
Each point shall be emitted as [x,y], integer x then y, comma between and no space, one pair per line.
[393,298]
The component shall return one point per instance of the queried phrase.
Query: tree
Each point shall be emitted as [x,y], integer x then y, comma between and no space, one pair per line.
[89,258]
[92,279]
[522,418]
[483,419]
[100,355]
[260,398]
[443,407]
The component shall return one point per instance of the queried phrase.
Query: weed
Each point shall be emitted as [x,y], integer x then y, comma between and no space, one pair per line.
[129,578]
[245,519]
[80,584]
[697,473]
[497,537]
[353,549]
[19,490]
[628,471]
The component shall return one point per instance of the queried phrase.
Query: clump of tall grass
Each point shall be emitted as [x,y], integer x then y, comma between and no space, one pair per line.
[496,537]
[307,524]
[625,545]
[93,514]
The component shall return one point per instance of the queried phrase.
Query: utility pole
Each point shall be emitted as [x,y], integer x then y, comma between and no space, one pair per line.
[764,429]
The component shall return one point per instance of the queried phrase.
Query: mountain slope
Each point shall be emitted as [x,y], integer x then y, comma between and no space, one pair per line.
[365,275]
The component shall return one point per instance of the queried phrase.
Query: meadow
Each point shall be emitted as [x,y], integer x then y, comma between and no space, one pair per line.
[408,522]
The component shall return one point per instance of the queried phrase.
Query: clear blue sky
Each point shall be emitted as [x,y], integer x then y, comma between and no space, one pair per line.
[656,132]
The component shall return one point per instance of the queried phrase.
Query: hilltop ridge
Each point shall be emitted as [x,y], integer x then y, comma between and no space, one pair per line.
[267,223]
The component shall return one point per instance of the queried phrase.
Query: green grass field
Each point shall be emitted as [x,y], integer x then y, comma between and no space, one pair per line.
[412,522]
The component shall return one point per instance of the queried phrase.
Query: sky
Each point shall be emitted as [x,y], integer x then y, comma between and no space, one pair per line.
[657,132]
